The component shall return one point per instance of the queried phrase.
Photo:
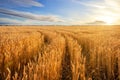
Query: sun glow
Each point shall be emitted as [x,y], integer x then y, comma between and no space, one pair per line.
[108,20]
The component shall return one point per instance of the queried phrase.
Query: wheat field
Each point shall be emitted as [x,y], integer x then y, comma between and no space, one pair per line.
[59,53]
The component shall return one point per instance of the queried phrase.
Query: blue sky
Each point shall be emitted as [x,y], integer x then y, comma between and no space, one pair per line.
[59,12]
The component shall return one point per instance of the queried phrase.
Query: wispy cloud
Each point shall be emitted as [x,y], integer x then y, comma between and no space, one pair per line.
[102,10]
[13,21]
[9,21]
[28,3]
[81,12]
[23,3]
[91,3]
[28,15]
[97,23]
[18,22]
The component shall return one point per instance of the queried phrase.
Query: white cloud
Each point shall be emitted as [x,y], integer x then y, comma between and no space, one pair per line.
[97,23]
[9,21]
[27,3]
[22,3]
[28,15]
[12,21]
[91,3]
[103,10]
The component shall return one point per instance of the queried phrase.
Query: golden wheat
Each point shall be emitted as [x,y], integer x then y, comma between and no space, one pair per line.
[60,53]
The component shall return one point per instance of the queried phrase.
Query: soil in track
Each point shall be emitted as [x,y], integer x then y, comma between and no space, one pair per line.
[66,64]
[66,71]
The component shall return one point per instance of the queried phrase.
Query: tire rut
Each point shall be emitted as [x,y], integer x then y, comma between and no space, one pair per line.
[66,70]
[85,53]
[66,73]
[66,65]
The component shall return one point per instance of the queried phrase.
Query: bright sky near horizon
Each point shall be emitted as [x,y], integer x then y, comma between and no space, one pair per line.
[60,12]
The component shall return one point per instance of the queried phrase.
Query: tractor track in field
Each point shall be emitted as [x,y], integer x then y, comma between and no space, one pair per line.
[66,72]
[62,53]
[80,41]
[85,48]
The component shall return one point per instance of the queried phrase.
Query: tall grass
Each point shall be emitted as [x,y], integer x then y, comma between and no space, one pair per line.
[60,53]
